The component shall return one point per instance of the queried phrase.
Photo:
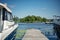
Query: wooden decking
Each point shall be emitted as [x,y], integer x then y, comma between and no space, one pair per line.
[34,34]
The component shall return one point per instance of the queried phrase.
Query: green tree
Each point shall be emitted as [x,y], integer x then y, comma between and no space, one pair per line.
[16,19]
[44,19]
[32,19]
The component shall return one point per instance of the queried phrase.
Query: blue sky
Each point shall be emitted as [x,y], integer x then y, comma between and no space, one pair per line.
[43,8]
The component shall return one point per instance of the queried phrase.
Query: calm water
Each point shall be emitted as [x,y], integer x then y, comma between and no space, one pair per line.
[47,29]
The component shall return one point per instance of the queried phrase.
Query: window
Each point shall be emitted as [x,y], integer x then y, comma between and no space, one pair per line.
[58,19]
[11,17]
[4,14]
[0,14]
[1,22]
[7,15]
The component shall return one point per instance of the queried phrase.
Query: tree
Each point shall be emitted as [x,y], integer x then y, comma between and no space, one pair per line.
[16,19]
[32,19]
[44,19]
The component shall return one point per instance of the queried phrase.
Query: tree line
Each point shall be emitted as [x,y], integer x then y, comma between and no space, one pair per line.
[30,19]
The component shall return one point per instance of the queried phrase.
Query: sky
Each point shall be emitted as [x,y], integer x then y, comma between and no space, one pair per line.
[43,8]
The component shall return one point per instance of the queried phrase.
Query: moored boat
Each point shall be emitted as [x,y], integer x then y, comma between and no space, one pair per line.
[57,26]
[7,26]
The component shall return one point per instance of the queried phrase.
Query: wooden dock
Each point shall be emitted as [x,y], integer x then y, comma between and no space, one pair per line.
[34,34]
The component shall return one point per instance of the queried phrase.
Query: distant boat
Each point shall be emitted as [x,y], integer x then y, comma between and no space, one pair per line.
[48,22]
[7,26]
[57,26]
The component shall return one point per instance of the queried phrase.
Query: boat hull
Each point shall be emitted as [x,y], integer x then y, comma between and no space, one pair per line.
[9,34]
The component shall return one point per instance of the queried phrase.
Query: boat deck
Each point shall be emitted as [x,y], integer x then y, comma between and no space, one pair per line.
[34,34]
[5,33]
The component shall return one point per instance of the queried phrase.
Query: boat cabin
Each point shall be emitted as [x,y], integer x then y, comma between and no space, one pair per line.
[56,20]
[6,18]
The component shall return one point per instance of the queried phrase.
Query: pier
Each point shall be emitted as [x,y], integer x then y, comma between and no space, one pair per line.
[34,34]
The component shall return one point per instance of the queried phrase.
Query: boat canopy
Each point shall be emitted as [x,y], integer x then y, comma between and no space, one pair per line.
[5,6]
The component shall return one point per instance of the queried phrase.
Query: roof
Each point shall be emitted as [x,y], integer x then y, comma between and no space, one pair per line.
[5,6]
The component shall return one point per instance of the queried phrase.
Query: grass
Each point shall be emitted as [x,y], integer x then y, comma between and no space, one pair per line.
[20,33]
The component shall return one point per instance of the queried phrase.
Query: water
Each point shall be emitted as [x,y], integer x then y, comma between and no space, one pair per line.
[47,29]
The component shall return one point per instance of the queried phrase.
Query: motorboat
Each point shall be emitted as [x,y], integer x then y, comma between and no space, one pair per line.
[56,23]
[8,27]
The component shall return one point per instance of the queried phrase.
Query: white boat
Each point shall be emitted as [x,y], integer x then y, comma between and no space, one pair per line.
[56,22]
[7,26]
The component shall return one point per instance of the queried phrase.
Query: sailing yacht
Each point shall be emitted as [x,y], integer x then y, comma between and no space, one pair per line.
[7,26]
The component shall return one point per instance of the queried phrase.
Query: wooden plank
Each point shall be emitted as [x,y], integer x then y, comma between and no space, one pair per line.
[34,34]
